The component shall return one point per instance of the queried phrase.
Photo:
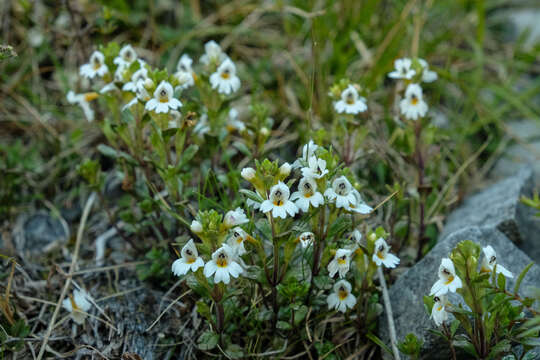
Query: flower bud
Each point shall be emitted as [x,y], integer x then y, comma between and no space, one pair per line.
[265,131]
[285,169]
[148,84]
[248,173]
[196,227]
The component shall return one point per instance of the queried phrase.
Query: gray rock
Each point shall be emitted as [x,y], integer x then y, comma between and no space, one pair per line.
[39,233]
[408,291]
[516,157]
[499,207]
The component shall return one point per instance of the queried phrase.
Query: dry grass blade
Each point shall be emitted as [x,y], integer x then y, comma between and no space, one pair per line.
[86,212]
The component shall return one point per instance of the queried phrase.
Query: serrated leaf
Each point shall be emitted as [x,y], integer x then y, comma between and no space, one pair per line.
[208,340]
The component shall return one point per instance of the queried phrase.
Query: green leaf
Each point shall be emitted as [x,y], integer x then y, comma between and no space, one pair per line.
[208,340]
[189,153]
[467,346]
[501,347]
[204,310]
[521,276]
[339,226]
[283,325]
[234,351]
[379,342]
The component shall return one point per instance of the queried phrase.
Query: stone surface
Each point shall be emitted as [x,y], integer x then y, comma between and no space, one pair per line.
[499,207]
[407,292]
[38,233]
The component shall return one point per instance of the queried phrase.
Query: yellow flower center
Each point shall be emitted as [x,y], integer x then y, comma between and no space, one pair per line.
[342,294]
[342,260]
[414,100]
[163,97]
[380,255]
[222,262]
[190,260]
[90,96]
[308,194]
[439,308]
[278,202]
[449,280]
[73,304]
[225,74]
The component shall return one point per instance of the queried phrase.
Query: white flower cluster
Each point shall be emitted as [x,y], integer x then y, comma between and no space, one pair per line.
[412,106]
[162,101]
[224,262]
[280,202]
[449,282]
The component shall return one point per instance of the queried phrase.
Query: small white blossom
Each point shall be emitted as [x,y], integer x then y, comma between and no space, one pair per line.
[438,312]
[340,263]
[285,169]
[141,95]
[248,173]
[224,80]
[163,99]
[236,241]
[196,227]
[190,260]
[359,205]
[235,217]
[254,204]
[138,77]
[341,298]
[316,168]
[202,127]
[78,305]
[341,193]
[308,150]
[233,122]
[307,194]
[381,256]
[448,280]
[222,265]
[403,69]
[490,260]
[278,202]
[351,102]
[356,236]
[95,67]
[306,239]
[83,100]
[427,75]
[213,54]
[184,72]
[413,105]
[126,56]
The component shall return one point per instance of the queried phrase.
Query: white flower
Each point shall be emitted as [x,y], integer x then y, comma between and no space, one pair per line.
[233,122]
[108,88]
[126,56]
[138,76]
[413,105]
[341,193]
[341,298]
[222,265]
[438,312]
[351,102]
[356,236]
[448,280]
[196,227]
[307,194]
[83,100]
[225,79]
[190,260]
[236,241]
[403,69]
[285,169]
[141,94]
[427,75]
[316,168]
[382,256]
[254,204]
[306,239]
[213,53]
[184,73]
[341,262]
[202,126]
[359,206]
[78,305]
[235,217]
[163,99]
[248,173]
[278,202]
[308,150]
[96,66]
[490,260]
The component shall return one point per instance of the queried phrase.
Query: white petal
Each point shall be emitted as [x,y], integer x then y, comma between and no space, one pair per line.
[151,104]
[197,264]
[210,268]
[438,288]
[266,206]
